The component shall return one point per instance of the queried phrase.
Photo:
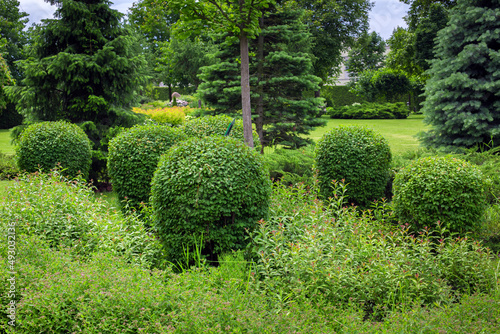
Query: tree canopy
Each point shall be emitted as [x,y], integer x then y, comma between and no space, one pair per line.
[367,54]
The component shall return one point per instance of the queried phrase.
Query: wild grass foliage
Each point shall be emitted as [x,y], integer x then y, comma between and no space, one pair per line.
[67,214]
[332,254]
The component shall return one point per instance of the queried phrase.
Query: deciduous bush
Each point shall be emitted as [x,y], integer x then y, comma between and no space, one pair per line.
[216,125]
[330,254]
[357,155]
[67,214]
[370,111]
[47,144]
[440,189]
[211,187]
[133,158]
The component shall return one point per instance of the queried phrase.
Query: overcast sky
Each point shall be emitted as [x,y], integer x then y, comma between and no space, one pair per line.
[384,17]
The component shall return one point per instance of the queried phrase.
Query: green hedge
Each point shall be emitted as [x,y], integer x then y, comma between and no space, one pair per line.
[339,96]
[370,111]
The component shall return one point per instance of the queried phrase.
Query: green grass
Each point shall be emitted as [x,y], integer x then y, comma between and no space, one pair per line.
[5,146]
[400,133]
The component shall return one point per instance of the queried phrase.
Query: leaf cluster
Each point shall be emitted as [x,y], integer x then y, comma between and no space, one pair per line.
[45,145]
[216,188]
[357,155]
[445,191]
[133,157]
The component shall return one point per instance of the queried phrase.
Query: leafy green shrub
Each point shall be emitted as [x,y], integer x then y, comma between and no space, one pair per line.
[370,111]
[339,96]
[440,189]
[333,255]
[291,166]
[357,155]
[68,214]
[8,167]
[214,188]
[133,158]
[217,125]
[47,144]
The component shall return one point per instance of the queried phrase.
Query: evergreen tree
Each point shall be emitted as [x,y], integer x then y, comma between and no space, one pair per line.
[86,68]
[280,74]
[5,80]
[463,93]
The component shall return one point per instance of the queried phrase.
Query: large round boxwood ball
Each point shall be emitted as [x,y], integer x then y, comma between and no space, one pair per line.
[214,188]
[444,189]
[43,146]
[357,155]
[217,125]
[133,157]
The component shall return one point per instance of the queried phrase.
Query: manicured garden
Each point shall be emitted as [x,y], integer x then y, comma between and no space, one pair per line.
[316,263]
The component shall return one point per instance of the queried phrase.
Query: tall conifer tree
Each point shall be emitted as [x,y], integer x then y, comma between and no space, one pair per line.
[463,93]
[84,67]
[280,74]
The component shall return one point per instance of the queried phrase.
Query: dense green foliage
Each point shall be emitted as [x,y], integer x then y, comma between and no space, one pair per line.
[291,166]
[331,254]
[215,125]
[445,191]
[67,214]
[338,96]
[44,145]
[8,167]
[357,155]
[133,158]
[12,30]
[334,26]
[384,84]
[366,54]
[210,191]
[370,111]
[88,70]
[5,80]
[462,95]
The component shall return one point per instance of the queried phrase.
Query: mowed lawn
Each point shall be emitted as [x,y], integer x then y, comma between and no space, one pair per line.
[400,133]
[5,146]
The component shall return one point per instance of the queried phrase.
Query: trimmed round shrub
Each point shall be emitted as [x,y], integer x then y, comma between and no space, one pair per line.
[133,157]
[217,125]
[207,192]
[357,155]
[444,189]
[43,146]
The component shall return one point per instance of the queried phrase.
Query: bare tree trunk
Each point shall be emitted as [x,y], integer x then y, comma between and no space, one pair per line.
[259,121]
[245,90]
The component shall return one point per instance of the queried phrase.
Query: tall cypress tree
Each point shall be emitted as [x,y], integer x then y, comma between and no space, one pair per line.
[463,93]
[280,74]
[84,67]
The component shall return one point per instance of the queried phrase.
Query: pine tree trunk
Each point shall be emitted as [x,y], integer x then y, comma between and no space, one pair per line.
[245,90]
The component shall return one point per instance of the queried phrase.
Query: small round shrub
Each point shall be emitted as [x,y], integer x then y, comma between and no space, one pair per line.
[444,189]
[357,155]
[217,125]
[44,145]
[214,188]
[133,157]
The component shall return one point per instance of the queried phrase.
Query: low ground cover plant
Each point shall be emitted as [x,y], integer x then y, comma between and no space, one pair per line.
[357,155]
[331,254]
[67,214]
[133,157]
[45,145]
[291,166]
[367,110]
[173,116]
